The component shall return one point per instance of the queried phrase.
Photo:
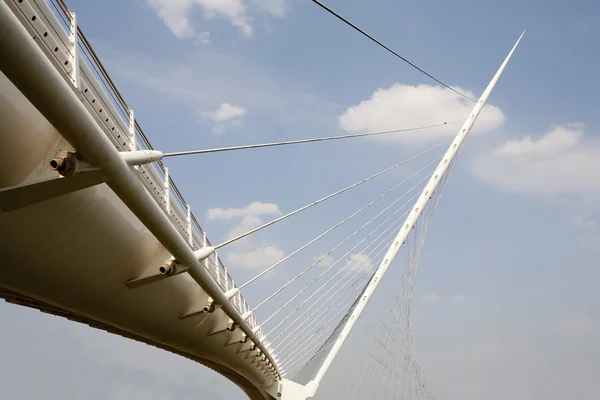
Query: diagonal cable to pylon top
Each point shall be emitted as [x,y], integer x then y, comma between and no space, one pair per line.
[317,326]
[302,141]
[59,104]
[373,39]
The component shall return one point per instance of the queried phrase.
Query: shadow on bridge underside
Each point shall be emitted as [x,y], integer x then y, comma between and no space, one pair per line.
[72,256]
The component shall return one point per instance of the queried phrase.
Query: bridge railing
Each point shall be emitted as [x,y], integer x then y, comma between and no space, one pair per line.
[55,28]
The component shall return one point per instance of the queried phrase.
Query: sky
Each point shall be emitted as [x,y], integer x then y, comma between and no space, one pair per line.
[506,304]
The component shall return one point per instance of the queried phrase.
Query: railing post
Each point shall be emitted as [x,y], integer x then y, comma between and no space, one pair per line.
[204,244]
[132,129]
[189,224]
[75,76]
[167,187]
[217,268]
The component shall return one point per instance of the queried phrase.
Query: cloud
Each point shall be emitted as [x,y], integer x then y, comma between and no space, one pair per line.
[200,81]
[276,8]
[325,260]
[257,259]
[579,221]
[255,208]
[458,299]
[359,261]
[248,222]
[219,129]
[248,218]
[226,112]
[202,38]
[430,298]
[176,14]
[404,106]
[562,161]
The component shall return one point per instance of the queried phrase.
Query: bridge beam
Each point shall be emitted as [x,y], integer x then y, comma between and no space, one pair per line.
[15,197]
[26,65]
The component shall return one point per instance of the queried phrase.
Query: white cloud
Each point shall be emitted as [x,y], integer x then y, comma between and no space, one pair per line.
[579,221]
[176,14]
[201,80]
[325,260]
[562,161]
[276,8]
[248,217]
[404,106]
[226,112]
[458,299]
[257,259]
[255,208]
[359,261]
[430,298]
[202,38]
[248,222]
[219,129]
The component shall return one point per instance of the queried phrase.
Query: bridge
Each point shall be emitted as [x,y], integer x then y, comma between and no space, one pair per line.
[94,229]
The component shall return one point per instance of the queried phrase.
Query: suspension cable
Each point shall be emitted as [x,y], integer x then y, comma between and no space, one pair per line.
[389,332]
[338,272]
[323,234]
[344,241]
[243,235]
[305,336]
[322,303]
[358,284]
[338,16]
[318,319]
[406,278]
[299,355]
[316,262]
[301,141]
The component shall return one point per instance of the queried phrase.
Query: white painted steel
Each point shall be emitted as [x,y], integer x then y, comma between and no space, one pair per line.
[168,199]
[140,157]
[132,129]
[75,72]
[55,251]
[46,28]
[28,67]
[41,77]
[409,223]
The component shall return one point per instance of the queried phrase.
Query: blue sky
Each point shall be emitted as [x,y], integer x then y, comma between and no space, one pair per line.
[515,236]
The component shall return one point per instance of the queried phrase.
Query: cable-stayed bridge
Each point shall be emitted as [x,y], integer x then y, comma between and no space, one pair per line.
[94,229]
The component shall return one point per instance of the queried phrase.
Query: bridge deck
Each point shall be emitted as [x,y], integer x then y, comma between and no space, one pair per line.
[76,255]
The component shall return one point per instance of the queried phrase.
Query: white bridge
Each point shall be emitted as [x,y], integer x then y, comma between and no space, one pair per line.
[93,229]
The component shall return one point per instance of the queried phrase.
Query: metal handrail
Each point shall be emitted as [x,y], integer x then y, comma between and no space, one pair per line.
[177,204]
